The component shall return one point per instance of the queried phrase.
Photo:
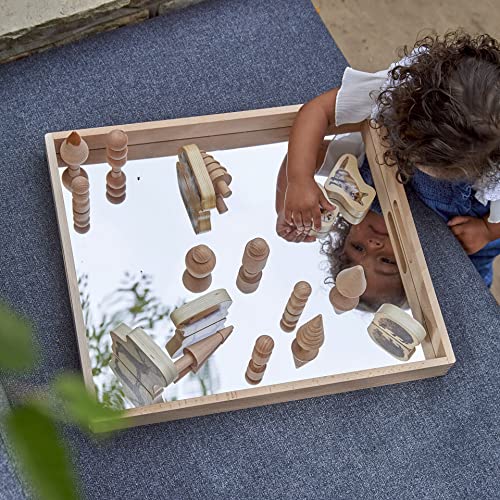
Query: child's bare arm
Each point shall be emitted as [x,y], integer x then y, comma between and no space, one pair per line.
[303,198]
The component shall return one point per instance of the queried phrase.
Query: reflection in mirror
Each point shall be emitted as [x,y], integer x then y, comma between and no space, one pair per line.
[172,305]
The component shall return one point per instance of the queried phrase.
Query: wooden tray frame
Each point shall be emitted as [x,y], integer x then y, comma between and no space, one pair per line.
[242,129]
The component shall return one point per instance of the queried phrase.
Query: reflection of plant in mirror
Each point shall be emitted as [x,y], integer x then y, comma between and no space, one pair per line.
[133,303]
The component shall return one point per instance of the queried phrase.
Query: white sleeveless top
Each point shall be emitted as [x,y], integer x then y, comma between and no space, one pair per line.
[356,101]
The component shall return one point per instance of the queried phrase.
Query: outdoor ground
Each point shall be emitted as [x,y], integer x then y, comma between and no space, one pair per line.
[370,33]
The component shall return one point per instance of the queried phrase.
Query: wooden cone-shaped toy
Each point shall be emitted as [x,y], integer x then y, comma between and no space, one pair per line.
[203,349]
[261,353]
[309,339]
[295,305]
[200,262]
[253,262]
[74,152]
[340,303]
[116,155]
[351,282]
[80,189]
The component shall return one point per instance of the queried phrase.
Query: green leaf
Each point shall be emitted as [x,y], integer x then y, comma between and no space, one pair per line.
[17,351]
[80,405]
[42,456]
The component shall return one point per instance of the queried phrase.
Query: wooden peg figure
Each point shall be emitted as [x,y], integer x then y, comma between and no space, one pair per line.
[116,155]
[200,262]
[257,365]
[80,189]
[310,337]
[74,152]
[350,284]
[295,305]
[253,262]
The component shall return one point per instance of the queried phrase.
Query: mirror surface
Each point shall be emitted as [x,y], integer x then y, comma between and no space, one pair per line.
[130,264]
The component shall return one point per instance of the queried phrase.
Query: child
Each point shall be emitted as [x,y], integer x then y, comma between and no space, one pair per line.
[440,109]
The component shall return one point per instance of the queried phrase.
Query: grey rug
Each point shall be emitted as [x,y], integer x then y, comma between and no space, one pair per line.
[434,439]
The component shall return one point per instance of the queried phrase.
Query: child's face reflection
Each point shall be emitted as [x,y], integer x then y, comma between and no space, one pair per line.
[368,244]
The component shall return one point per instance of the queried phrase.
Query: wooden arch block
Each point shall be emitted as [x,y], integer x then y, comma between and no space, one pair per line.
[346,188]
[196,187]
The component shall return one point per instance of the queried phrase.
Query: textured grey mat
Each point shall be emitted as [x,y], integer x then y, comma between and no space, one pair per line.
[431,439]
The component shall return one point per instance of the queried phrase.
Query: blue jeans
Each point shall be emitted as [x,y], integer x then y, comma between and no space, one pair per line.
[449,199]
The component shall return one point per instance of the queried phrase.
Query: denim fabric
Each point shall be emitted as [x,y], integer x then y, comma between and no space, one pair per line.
[432,439]
[449,199]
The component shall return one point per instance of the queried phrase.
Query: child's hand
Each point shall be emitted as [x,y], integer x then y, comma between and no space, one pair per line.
[303,200]
[290,233]
[472,233]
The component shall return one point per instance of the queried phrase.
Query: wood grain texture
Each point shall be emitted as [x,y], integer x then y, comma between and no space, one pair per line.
[243,129]
[409,255]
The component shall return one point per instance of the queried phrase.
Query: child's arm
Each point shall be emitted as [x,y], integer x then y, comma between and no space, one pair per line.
[303,197]
[474,233]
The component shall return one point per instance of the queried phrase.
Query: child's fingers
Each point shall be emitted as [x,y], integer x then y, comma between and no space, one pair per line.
[325,203]
[297,219]
[459,219]
[317,218]
[307,217]
[289,217]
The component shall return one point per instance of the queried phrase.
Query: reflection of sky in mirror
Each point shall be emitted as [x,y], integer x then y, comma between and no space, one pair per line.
[150,234]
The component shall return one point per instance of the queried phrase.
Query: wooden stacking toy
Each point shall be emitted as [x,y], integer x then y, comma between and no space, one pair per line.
[200,262]
[396,331]
[346,189]
[295,305]
[80,189]
[145,370]
[116,155]
[261,353]
[74,152]
[254,260]
[203,183]
[350,284]
[220,179]
[310,337]
[198,319]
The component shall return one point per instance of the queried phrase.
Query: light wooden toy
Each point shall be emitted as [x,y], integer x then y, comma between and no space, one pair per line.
[257,365]
[140,364]
[254,260]
[295,305]
[145,370]
[204,183]
[74,152]
[198,319]
[310,337]
[80,189]
[350,284]
[200,262]
[346,189]
[396,331]
[195,355]
[116,156]
[328,218]
[220,179]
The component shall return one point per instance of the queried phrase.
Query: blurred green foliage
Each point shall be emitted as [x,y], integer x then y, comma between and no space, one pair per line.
[31,426]
[17,350]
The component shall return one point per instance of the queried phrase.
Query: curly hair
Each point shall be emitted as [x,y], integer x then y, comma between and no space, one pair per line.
[442,111]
